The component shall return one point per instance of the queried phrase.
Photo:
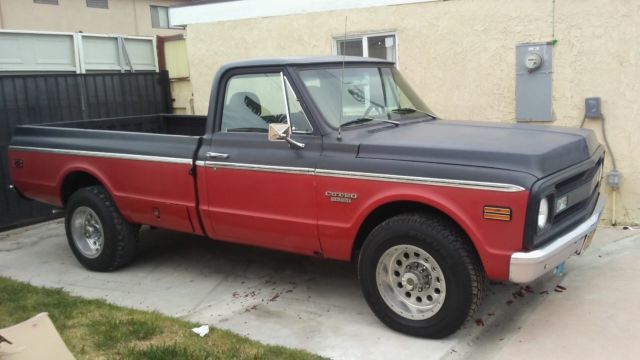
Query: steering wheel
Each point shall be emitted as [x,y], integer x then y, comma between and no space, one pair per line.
[280,118]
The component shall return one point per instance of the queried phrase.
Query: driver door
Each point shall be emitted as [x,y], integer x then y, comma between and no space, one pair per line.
[261,192]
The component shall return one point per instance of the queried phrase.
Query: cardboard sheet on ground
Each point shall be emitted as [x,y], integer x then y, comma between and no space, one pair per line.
[32,339]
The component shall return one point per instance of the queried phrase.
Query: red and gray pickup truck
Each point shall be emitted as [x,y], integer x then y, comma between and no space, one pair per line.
[329,157]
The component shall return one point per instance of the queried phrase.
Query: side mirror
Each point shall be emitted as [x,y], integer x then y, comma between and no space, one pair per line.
[279,131]
[282,132]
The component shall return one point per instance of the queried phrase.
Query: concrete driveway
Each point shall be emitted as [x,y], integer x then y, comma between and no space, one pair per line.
[316,305]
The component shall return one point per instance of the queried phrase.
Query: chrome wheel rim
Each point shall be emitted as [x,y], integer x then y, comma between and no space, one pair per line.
[411,282]
[87,232]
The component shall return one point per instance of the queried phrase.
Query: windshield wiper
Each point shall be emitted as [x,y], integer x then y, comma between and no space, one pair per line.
[367,119]
[408,110]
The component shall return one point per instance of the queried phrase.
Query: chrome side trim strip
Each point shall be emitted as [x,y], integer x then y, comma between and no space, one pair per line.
[103,154]
[422,180]
[368,176]
[255,167]
[289,170]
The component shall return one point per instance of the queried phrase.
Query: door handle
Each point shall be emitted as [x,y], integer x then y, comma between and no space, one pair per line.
[215,155]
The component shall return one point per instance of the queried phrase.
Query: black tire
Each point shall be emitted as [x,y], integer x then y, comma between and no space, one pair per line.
[458,262]
[119,237]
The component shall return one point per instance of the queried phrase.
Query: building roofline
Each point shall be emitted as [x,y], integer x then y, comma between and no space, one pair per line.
[229,10]
[200,2]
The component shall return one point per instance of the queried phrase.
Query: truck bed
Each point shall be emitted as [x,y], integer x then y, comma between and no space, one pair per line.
[145,163]
[166,124]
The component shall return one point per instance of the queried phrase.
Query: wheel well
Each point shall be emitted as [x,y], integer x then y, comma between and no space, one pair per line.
[74,181]
[392,209]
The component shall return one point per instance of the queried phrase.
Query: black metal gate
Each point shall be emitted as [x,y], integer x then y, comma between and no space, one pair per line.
[37,99]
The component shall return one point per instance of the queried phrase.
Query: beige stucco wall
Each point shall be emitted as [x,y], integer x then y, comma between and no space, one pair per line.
[460,56]
[126,17]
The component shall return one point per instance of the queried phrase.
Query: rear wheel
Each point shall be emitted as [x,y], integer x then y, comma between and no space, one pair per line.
[420,275]
[97,233]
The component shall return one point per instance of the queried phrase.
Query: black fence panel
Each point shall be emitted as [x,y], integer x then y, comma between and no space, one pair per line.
[45,98]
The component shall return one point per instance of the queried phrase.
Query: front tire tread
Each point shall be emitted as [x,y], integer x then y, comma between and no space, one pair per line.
[444,237]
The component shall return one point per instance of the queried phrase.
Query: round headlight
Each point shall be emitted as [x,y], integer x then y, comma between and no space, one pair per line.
[543,213]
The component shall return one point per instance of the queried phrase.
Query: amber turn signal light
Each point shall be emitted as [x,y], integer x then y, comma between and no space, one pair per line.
[497,213]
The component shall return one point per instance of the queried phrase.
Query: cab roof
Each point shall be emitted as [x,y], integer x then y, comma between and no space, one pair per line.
[280,61]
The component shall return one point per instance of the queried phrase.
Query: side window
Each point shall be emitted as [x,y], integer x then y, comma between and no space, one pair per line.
[253,101]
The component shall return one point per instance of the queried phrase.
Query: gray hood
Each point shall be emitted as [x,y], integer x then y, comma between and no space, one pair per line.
[534,149]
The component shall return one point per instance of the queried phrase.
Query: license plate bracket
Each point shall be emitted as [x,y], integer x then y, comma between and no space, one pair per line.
[586,242]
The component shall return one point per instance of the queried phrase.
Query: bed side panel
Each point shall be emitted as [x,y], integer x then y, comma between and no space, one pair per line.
[148,175]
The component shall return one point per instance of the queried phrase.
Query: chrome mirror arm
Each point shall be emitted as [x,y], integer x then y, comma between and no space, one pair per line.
[294,144]
[286,135]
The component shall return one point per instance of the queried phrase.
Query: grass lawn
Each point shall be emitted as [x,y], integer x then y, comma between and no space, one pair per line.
[95,329]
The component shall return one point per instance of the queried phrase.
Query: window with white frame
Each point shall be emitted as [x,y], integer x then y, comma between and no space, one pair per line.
[381,46]
[159,17]
[99,4]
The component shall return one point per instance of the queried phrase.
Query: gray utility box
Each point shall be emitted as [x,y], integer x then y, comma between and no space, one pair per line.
[533,81]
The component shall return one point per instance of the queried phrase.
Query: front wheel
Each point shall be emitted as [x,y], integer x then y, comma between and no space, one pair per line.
[420,275]
[98,235]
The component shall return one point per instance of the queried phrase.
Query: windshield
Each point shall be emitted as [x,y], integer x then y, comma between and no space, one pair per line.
[366,92]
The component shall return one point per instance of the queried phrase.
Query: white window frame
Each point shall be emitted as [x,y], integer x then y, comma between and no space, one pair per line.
[98,5]
[365,43]
[169,26]
[50,2]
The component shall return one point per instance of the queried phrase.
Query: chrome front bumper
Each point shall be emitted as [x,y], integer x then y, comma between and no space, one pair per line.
[528,266]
